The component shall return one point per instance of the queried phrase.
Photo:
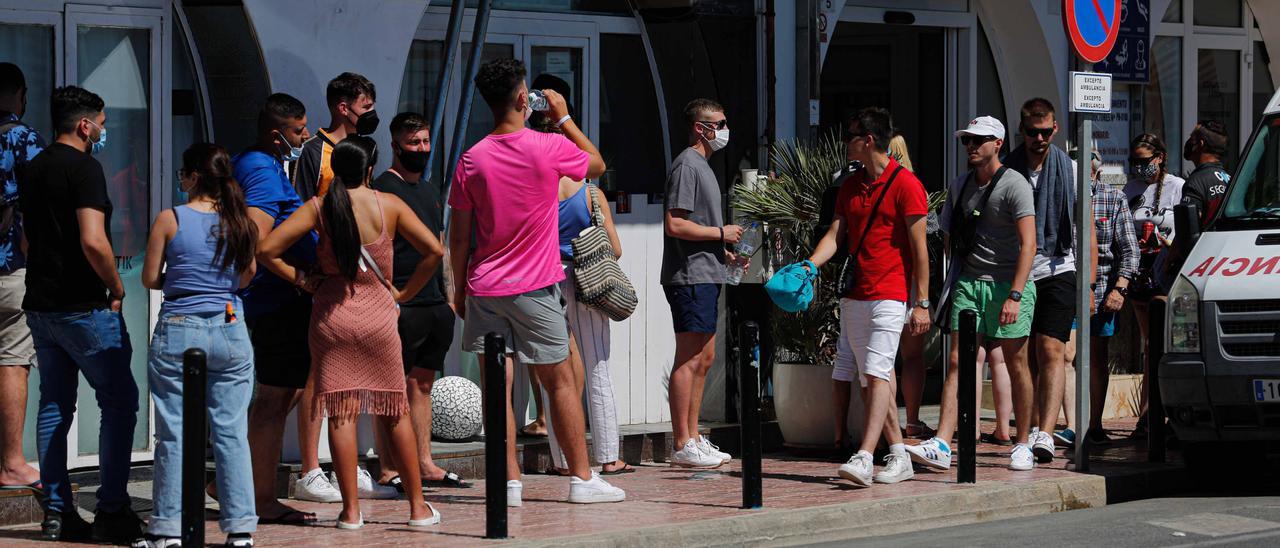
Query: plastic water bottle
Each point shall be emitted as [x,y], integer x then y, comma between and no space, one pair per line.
[538,101]
[745,248]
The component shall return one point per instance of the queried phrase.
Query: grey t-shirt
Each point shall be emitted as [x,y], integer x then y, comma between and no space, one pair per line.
[692,186]
[994,256]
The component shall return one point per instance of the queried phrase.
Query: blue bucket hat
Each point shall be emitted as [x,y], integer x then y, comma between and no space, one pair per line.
[791,288]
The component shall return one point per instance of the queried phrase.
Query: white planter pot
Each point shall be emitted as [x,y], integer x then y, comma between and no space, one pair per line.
[804,405]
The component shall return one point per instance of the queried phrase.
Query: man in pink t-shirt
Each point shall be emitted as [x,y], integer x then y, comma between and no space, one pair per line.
[506,188]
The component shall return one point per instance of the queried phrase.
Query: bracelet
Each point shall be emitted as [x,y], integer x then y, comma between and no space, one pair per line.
[721,233]
[562,120]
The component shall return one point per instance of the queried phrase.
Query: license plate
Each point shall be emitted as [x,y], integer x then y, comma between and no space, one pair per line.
[1266,390]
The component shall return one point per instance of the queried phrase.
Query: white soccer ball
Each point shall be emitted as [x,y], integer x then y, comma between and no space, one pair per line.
[456,411]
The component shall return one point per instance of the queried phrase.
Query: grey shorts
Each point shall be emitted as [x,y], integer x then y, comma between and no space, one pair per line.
[16,347]
[533,324]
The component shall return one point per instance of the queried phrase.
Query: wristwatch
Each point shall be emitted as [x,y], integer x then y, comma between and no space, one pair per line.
[1123,291]
[923,303]
[1015,296]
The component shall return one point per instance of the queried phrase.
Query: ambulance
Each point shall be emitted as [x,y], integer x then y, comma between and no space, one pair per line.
[1220,374]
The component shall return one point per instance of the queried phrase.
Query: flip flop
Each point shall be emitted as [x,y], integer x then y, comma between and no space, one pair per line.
[33,486]
[525,432]
[434,519]
[626,469]
[450,479]
[292,517]
[992,439]
[394,482]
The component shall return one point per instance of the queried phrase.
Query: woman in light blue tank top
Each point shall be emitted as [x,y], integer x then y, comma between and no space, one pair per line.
[200,254]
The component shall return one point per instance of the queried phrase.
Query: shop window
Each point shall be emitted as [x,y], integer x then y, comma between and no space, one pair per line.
[1218,97]
[418,90]
[1174,13]
[1217,13]
[189,124]
[31,48]
[630,127]
[1162,98]
[1263,87]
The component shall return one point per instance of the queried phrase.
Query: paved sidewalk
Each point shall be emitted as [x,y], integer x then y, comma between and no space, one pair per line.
[670,505]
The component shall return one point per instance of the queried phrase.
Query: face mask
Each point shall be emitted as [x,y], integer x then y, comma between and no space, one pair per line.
[102,139]
[294,152]
[367,123]
[1189,149]
[414,161]
[1146,171]
[722,139]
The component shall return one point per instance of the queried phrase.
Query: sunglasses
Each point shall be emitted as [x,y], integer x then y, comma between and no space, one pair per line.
[975,140]
[714,125]
[1043,133]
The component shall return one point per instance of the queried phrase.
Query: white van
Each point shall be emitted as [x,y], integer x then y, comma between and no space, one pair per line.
[1220,375]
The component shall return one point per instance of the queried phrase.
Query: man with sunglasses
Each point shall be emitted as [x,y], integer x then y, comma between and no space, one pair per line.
[1052,176]
[989,221]
[693,269]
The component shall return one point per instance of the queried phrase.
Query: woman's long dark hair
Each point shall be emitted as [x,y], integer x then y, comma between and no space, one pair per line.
[237,235]
[1155,144]
[351,159]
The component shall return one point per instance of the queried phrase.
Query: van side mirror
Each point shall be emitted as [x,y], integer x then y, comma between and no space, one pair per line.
[1186,228]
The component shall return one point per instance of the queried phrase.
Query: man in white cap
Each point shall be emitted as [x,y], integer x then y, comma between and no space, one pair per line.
[990,224]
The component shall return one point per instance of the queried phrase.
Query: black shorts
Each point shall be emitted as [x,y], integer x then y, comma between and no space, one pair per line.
[426,332]
[281,352]
[1055,306]
[693,307]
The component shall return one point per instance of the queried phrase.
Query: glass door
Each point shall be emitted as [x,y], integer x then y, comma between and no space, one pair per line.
[117,53]
[1218,84]
[563,58]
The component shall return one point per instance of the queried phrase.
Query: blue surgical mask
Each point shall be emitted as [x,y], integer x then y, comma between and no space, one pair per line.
[294,152]
[102,139]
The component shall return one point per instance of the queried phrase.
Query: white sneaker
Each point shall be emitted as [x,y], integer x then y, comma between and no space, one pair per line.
[896,468]
[366,488]
[1021,458]
[710,448]
[314,486]
[514,490]
[1042,446]
[934,453]
[858,469]
[691,456]
[593,490]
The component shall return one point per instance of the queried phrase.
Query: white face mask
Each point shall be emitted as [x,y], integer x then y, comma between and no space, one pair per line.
[722,139]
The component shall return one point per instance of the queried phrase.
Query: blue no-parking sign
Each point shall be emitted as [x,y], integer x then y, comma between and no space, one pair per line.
[1092,26]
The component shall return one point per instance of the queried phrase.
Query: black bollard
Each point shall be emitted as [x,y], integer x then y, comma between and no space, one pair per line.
[1155,405]
[194,375]
[749,395]
[495,437]
[966,402]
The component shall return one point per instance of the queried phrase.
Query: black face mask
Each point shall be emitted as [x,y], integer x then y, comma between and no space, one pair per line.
[367,123]
[1189,149]
[412,160]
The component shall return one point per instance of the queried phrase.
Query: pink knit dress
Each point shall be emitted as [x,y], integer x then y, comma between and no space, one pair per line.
[355,347]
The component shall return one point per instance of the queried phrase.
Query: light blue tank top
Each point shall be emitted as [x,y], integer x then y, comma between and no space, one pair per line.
[194,281]
[574,217]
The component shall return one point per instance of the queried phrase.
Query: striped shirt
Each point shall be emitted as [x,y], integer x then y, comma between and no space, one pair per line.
[1117,244]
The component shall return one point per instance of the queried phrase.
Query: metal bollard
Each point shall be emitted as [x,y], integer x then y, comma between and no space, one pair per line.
[1155,405]
[495,437]
[967,366]
[749,395]
[194,376]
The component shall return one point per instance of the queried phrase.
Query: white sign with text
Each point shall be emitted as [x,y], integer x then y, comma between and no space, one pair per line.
[1090,92]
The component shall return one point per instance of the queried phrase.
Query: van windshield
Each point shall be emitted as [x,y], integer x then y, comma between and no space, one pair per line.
[1253,199]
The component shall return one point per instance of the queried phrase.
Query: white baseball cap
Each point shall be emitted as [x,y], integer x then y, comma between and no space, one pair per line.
[983,126]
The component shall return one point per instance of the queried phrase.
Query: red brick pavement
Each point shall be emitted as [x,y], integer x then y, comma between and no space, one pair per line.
[656,494]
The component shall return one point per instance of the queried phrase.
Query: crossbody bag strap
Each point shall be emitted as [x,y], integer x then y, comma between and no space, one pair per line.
[874,209]
[593,206]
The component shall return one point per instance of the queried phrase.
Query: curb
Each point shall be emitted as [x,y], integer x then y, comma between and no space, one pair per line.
[862,519]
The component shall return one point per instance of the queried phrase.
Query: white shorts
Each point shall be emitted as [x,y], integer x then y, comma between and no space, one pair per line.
[869,335]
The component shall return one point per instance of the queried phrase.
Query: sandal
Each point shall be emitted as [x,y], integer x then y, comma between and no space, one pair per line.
[291,517]
[625,469]
[395,483]
[450,479]
[531,434]
[992,439]
[918,430]
[33,486]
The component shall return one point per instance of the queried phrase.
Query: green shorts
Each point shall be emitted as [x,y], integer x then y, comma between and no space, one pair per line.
[987,298]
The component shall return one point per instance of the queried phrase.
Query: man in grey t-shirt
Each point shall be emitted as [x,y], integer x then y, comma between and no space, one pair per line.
[693,267]
[995,227]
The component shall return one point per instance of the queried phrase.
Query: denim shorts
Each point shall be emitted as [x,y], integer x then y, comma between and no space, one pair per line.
[693,307]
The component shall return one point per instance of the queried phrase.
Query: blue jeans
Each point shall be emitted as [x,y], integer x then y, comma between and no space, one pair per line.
[95,344]
[229,388]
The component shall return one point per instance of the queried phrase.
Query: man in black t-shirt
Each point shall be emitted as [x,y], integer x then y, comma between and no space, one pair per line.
[1207,184]
[426,321]
[73,308]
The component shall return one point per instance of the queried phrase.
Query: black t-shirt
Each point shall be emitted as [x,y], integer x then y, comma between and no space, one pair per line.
[424,199]
[59,181]
[1205,188]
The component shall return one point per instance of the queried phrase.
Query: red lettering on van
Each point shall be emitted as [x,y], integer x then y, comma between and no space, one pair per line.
[1219,265]
[1203,267]
[1237,266]
[1259,263]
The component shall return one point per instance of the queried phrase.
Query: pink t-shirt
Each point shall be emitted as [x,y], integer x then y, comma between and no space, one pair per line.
[511,183]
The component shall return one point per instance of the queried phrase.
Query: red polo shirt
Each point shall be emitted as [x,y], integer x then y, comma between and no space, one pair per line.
[884,264]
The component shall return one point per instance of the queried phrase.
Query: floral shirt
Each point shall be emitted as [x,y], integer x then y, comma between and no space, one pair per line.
[18,146]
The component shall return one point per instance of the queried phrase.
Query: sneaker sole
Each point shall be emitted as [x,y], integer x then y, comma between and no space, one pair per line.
[599,498]
[1062,441]
[860,482]
[1043,454]
[698,466]
[1019,469]
[928,463]
[896,479]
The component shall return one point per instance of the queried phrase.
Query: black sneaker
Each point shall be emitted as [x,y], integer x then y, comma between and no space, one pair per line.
[65,526]
[122,527]
[1097,437]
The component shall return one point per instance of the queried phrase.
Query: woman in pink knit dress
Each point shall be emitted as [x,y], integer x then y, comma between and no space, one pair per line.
[355,346]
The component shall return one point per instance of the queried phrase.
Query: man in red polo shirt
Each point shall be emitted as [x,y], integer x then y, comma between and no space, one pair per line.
[879,219]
